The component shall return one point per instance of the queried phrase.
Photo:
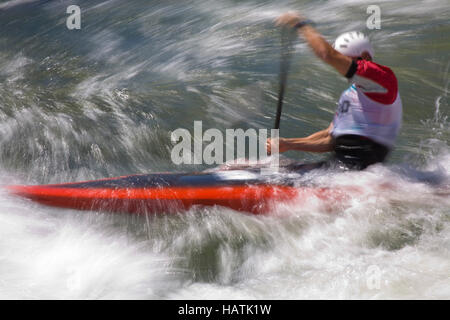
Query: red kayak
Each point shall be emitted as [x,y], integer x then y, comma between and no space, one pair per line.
[241,190]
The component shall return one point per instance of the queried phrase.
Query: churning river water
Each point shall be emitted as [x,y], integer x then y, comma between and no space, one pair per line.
[102,101]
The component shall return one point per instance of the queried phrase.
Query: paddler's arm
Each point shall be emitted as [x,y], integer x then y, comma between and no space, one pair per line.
[320,46]
[321,141]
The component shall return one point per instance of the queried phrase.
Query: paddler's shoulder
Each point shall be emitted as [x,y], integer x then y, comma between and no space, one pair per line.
[366,66]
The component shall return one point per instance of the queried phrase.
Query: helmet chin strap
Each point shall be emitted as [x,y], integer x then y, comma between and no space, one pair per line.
[364,56]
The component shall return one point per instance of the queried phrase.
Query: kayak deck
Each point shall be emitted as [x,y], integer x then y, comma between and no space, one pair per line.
[241,190]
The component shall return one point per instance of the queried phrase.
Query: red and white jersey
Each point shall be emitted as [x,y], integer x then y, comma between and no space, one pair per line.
[371,107]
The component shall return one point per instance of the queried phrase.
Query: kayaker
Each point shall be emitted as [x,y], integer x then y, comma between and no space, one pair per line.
[369,113]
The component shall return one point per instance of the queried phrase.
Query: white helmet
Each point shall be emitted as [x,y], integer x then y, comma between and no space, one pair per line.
[353,44]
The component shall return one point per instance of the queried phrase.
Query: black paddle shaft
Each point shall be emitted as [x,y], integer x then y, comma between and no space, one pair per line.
[286,52]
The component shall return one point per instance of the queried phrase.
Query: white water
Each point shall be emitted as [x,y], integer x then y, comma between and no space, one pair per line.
[380,244]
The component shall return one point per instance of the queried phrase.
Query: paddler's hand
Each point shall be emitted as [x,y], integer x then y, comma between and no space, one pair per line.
[288,19]
[282,145]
